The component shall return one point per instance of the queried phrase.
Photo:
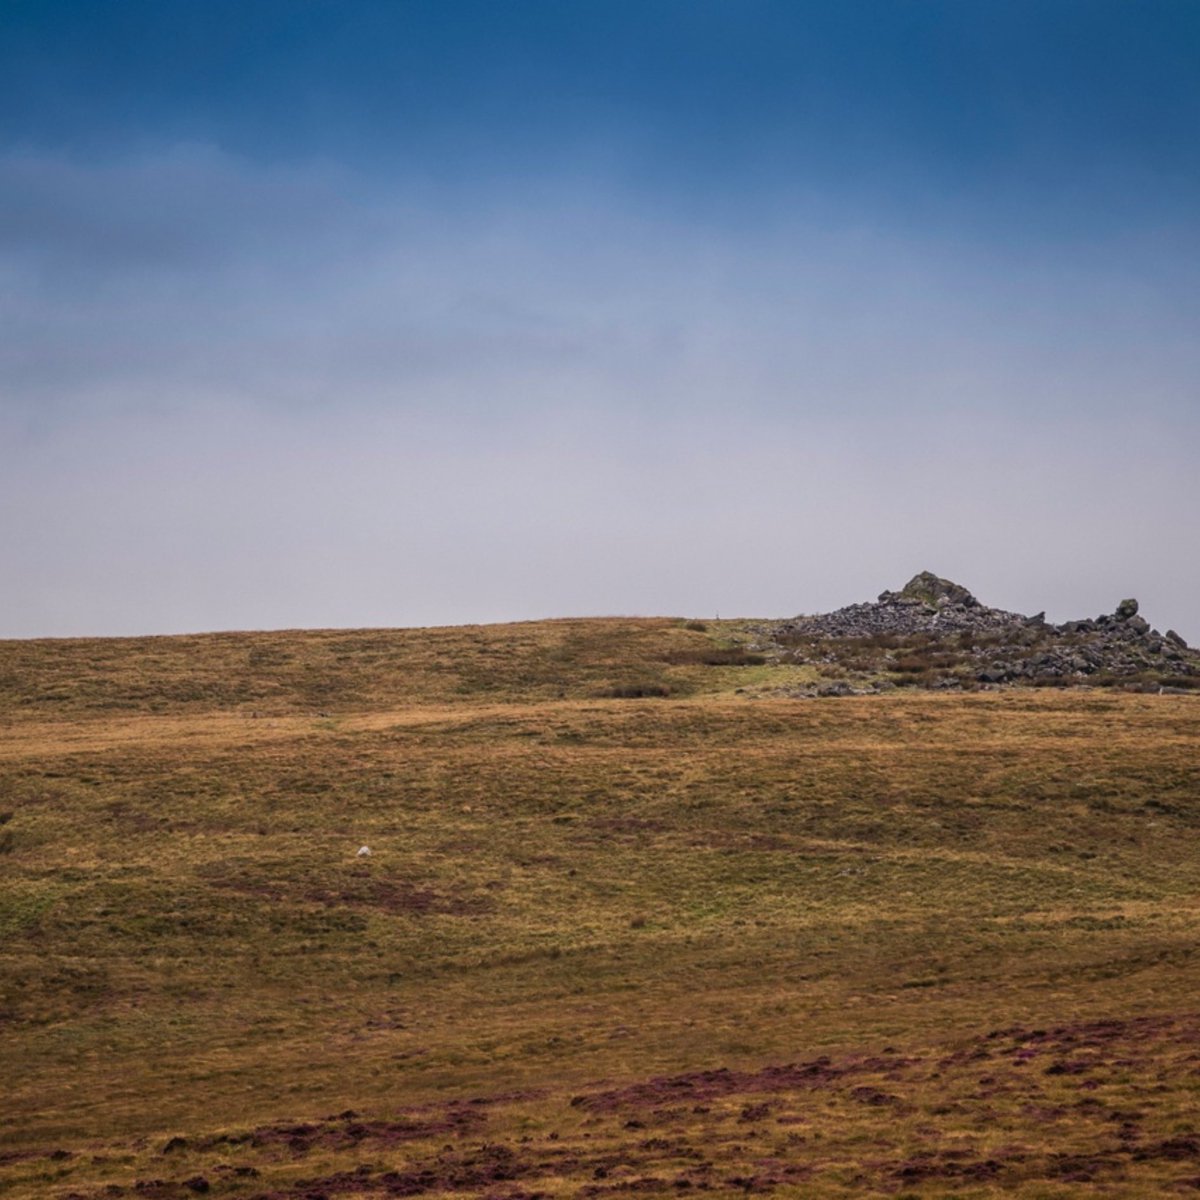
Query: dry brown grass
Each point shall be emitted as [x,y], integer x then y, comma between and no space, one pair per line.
[567,889]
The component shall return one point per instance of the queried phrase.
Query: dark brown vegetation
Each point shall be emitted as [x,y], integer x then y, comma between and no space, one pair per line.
[912,944]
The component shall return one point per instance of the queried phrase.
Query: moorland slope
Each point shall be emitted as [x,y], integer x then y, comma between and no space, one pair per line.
[635,919]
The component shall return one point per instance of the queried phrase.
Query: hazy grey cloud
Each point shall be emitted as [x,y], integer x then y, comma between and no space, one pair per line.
[236,395]
[193,271]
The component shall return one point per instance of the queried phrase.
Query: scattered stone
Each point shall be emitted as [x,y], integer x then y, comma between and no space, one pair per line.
[933,633]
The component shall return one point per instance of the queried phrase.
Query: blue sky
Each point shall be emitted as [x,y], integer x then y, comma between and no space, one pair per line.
[416,313]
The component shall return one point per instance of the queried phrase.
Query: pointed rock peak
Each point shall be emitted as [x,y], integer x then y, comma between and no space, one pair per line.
[1127,609]
[931,589]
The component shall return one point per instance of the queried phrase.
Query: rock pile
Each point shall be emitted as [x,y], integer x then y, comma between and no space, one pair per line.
[926,604]
[935,633]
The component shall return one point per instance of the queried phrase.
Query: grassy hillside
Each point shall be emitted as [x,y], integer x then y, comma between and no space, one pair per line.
[633,921]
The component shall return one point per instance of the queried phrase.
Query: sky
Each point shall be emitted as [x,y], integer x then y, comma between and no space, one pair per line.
[427,312]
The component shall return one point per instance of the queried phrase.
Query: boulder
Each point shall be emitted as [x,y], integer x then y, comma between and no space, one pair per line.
[839,687]
[931,589]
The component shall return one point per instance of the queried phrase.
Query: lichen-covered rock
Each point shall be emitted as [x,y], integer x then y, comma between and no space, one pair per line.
[931,589]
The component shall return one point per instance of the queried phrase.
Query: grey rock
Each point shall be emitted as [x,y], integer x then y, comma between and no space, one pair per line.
[838,687]
[931,589]
[933,616]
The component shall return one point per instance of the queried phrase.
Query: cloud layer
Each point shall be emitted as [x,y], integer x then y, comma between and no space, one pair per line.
[239,394]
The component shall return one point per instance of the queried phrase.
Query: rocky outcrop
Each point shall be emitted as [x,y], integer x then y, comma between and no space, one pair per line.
[935,633]
[926,604]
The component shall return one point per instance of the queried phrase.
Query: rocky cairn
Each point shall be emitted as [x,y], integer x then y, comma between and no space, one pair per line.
[934,633]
